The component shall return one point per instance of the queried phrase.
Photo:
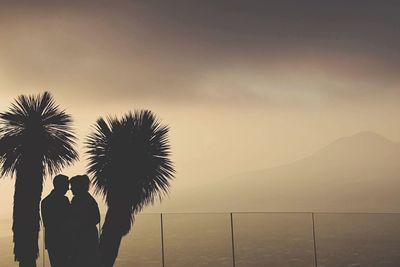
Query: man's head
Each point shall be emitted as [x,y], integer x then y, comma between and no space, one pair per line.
[61,184]
[79,184]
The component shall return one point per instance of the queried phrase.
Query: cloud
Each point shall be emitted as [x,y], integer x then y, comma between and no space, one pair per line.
[254,52]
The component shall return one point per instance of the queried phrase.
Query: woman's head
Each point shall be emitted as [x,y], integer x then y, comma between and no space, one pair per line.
[79,184]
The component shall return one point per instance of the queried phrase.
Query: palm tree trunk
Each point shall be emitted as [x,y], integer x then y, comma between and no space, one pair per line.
[26,218]
[114,228]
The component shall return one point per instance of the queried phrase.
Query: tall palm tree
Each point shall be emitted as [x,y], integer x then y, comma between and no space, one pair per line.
[36,140]
[130,166]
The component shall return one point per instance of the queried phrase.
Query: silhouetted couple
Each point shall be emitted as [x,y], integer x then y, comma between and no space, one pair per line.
[71,235]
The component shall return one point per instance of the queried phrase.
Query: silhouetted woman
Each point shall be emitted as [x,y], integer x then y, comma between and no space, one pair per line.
[85,216]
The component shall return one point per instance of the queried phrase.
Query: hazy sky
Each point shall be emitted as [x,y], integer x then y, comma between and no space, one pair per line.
[243,84]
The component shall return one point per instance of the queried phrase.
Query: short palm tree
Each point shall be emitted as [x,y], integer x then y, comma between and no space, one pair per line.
[130,166]
[36,140]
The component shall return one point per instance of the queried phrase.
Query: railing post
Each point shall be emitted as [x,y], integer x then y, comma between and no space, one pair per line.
[233,242]
[314,238]
[162,241]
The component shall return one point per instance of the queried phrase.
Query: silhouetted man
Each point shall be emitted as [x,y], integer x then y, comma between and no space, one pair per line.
[85,217]
[55,214]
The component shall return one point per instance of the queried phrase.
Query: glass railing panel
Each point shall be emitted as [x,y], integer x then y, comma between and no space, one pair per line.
[142,246]
[261,239]
[273,239]
[201,240]
[365,240]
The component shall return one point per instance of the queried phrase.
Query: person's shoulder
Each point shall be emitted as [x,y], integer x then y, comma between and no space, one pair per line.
[74,200]
[46,202]
[92,199]
[46,199]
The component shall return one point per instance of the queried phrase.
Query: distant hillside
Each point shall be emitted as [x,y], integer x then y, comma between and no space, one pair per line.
[356,173]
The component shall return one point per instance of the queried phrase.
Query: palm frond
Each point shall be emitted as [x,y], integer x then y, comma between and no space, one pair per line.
[129,159]
[35,125]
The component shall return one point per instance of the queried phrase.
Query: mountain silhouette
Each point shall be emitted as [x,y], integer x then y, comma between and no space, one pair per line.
[359,173]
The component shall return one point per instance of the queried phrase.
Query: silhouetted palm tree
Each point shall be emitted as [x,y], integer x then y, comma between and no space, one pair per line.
[130,166]
[36,139]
